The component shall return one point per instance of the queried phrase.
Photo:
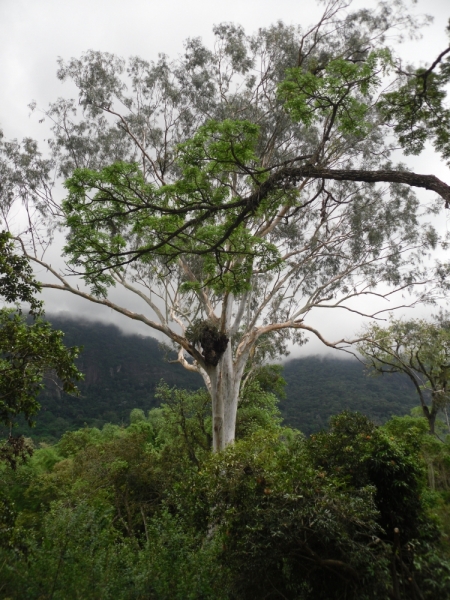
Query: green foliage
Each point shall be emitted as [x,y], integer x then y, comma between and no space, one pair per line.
[109,210]
[338,92]
[417,109]
[364,455]
[258,404]
[26,353]
[413,434]
[179,563]
[17,282]
[319,517]
[80,555]
[288,529]
[127,513]
[220,148]
[418,348]
[183,423]
[186,421]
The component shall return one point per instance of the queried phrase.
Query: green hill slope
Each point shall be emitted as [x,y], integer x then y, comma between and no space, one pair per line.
[320,387]
[122,372]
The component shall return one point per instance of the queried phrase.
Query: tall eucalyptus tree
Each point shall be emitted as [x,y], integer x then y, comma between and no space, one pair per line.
[236,189]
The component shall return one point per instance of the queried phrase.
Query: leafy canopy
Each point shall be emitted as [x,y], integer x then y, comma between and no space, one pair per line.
[17,282]
[339,91]
[198,214]
[27,350]
[417,347]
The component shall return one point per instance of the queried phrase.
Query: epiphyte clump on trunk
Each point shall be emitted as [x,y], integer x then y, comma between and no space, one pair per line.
[212,341]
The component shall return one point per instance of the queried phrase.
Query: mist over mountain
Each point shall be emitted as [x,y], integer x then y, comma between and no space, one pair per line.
[122,372]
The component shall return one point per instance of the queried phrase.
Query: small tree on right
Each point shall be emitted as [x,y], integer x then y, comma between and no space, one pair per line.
[419,348]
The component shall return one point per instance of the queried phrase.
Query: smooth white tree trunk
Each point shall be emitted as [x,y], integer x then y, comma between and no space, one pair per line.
[224,386]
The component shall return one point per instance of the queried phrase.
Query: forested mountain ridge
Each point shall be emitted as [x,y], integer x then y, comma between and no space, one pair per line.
[122,372]
[317,388]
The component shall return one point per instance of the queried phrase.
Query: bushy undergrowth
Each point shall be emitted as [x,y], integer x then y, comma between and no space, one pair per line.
[147,512]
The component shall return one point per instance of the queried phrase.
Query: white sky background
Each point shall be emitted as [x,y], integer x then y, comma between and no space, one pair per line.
[33,33]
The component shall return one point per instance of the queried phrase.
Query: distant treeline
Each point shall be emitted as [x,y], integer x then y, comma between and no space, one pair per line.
[318,388]
[122,372]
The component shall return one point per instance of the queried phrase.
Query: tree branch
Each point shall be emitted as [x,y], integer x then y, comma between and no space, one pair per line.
[428,182]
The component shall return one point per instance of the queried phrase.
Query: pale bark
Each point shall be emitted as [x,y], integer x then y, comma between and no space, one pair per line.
[224,379]
[218,413]
[225,382]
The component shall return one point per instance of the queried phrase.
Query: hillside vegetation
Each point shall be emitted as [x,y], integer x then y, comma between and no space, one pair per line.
[147,512]
[123,371]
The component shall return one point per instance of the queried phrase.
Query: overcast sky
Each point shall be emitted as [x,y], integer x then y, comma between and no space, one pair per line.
[33,33]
